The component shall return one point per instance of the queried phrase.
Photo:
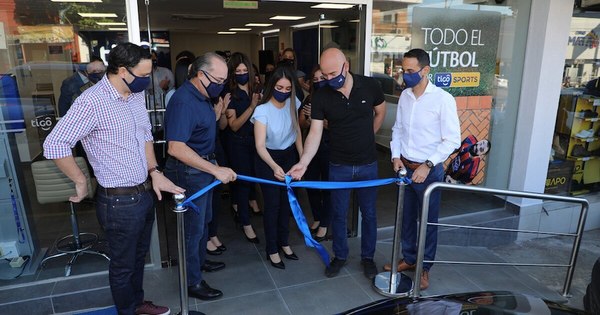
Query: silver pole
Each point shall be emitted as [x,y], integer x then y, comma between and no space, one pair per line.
[395,284]
[183,287]
[575,250]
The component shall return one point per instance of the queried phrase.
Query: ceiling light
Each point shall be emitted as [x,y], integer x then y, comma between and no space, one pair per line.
[93,15]
[354,21]
[271,31]
[87,1]
[329,26]
[111,23]
[117,28]
[287,17]
[240,29]
[332,6]
[226,33]
[315,23]
[259,24]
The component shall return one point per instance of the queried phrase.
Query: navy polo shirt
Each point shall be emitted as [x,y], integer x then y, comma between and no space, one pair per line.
[240,101]
[190,118]
[350,120]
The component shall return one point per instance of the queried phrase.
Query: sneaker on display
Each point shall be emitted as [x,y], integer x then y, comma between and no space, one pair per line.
[580,151]
[585,133]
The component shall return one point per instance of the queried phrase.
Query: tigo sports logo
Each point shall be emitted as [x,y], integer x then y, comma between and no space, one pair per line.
[457,79]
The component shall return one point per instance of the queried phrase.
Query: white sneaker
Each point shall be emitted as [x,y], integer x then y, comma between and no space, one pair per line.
[585,133]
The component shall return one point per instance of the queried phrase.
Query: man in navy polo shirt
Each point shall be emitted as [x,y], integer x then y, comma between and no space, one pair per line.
[354,107]
[190,128]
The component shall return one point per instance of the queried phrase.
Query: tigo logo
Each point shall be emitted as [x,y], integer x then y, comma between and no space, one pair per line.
[457,79]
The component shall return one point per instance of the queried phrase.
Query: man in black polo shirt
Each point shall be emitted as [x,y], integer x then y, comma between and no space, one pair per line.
[354,107]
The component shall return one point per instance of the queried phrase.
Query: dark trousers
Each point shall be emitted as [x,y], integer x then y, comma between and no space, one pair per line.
[127,223]
[195,222]
[276,213]
[213,225]
[242,153]
[319,199]
[413,204]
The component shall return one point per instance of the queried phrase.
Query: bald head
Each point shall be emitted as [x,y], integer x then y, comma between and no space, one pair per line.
[333,62]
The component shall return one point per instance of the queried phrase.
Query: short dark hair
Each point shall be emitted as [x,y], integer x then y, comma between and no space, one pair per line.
[126,55]
[421,55]
[95,58]
[203,62]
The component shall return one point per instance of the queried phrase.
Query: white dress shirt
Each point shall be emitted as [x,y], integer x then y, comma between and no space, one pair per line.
[426,128]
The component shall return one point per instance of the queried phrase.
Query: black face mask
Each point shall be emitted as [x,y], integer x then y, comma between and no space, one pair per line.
[290,62]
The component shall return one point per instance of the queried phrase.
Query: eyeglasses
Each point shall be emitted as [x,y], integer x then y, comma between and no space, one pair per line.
[218,81]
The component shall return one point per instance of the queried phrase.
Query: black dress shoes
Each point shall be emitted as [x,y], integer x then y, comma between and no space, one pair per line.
[222,247]
[214,252]
[212,266]
[279,265]
[291,256]
[203,291]
[320,238]
[254,240]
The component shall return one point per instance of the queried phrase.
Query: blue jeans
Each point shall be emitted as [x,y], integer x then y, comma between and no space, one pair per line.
[340,199]
[195,224]
[127,224]
[413,204]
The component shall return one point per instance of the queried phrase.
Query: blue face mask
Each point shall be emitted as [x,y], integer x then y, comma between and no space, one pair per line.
[281,96]
[213,89]
[412,79]
[242,78]
[139,84]
[320,84]
[95,77]
[337,82]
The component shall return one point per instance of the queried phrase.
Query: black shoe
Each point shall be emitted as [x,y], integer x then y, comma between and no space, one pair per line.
[279,265]
[334,267]
[291,256]
[203,291]
[369,268]
[222,247]
[214,252]
[254,240]
[320,238]
[212,266]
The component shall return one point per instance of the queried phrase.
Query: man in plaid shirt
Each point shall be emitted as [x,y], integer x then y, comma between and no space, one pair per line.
[111,121]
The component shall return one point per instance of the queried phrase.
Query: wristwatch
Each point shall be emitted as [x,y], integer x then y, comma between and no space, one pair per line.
[429,164]
[155,169]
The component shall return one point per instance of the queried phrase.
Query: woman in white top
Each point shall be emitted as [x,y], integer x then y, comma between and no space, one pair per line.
[278,144]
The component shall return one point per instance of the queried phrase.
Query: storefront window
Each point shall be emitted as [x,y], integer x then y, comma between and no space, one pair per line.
[45,49]
[574,166]
[476,55]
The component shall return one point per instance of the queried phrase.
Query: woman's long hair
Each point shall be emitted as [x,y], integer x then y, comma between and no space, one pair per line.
[282,72]
[236,59]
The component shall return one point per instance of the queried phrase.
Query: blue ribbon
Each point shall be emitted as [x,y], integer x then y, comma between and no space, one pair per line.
[295,205]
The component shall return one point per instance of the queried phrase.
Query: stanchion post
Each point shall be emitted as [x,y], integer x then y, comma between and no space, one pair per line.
[180,209]
[388,283]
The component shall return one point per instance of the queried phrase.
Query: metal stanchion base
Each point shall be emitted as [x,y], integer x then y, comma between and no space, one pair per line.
[381,284]
[191,313]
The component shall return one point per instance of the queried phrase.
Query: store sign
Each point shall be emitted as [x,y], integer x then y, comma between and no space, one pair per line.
[462,45]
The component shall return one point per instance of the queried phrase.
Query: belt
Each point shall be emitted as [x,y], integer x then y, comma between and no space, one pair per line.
[410,164]
[138,189]
[209,157]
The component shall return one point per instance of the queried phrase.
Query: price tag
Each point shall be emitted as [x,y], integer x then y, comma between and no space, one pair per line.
[585,159]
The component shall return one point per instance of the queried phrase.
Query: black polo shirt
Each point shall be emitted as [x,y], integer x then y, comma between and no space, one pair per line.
[350,121]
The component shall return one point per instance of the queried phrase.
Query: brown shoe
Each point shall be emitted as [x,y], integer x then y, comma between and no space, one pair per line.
[402,266]
[424,280]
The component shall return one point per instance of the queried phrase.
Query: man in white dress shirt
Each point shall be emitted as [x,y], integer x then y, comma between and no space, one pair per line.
[425,133]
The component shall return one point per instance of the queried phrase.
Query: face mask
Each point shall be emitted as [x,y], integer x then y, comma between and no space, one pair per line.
[213,89]
[139,84]
[95,77]
[320,84]
[412,79]
[281,96]
[290,62]
[242,78]
[337,82]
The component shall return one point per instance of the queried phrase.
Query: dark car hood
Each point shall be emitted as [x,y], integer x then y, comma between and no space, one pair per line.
[474,303]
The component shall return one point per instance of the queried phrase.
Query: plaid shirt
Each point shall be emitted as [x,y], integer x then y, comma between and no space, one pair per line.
[113,132]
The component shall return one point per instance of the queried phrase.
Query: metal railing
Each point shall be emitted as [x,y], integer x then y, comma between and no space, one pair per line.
[482,190]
